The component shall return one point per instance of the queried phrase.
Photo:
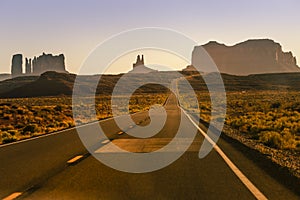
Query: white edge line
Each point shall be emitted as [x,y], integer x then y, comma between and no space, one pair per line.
[251,187]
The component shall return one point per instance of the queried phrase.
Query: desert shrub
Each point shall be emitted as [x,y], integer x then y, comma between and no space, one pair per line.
[38,119]
[71,124]
[7,137]
[7,127]
[46,110]
[79,122]
[58,108]
[30,128]
[52,125]
[274,139]
[14,107]
[13,132]
[7,116]
[64,124]
[289,140]
[19,125]
[20,111]
[271,139]
[254,129]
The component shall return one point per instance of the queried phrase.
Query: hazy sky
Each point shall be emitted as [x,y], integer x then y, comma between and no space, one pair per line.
[76,27]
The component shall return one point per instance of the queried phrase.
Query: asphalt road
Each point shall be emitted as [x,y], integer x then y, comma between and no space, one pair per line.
[39,168]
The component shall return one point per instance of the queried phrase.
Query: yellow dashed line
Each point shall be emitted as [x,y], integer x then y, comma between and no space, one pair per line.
[75,159]
[13,196]
[105,141]
[120,132]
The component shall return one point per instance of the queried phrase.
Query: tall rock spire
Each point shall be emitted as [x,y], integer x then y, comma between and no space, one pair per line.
[28,66]
[16,65]
[139,61]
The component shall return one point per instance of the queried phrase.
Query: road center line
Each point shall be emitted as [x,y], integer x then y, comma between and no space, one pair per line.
[251,187]
[13,196]
[63,131]
[74,159]
[105,141]
[120,132]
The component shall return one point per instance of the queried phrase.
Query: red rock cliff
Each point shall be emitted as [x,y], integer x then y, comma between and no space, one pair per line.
[249,57]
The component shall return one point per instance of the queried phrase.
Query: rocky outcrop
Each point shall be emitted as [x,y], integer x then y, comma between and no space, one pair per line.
[249,57]
[28,69]
[55,84]
[16,66]
[48,62]
[5,76]
[38,65]
[47,84]
[189,68]
[139,66]
[139,61]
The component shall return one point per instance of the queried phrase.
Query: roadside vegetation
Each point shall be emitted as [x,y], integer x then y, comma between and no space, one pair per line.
[28,117]
[269,117]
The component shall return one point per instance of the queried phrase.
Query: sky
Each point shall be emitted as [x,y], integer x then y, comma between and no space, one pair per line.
[76,27]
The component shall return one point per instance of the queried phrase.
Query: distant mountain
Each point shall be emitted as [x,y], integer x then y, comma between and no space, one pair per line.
[4,76]
[254,82]
[56,84]
[48,84]
[249,57]
[11,84]
[37,65]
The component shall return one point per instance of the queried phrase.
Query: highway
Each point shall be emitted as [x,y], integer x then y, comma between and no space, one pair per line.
[58,166]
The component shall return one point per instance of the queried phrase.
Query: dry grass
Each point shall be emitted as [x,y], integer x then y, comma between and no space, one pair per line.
[28,117]
[269,117]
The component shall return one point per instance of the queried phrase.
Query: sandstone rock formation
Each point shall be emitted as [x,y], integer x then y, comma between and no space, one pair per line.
[139,66]
[16,66]
[48,62]
[249,57]
[28,69]
[139,61]
[189,68]
[37,66]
